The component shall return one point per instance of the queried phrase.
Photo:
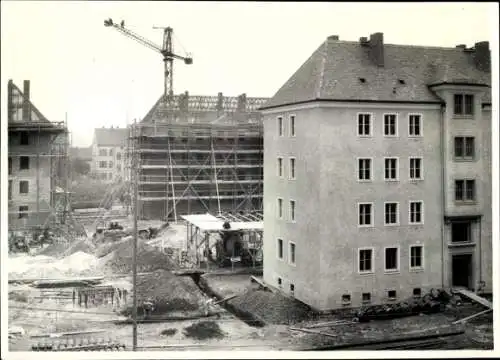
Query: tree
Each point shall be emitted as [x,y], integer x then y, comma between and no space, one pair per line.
[80,167]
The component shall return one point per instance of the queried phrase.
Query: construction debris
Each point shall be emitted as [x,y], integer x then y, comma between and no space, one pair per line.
[472,316]
[475,297]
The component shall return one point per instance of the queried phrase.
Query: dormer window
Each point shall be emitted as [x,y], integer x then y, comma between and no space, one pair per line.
[463,104]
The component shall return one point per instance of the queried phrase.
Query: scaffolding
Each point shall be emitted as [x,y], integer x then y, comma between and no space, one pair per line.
[197,159]
[39,159]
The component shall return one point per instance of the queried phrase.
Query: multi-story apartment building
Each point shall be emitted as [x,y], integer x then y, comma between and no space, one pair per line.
[377,173]
[37,177]
[108,154]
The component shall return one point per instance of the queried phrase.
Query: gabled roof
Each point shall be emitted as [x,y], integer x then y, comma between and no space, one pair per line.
[334,70]
[111,136]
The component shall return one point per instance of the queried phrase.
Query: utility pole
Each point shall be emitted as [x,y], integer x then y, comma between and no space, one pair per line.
[134,253]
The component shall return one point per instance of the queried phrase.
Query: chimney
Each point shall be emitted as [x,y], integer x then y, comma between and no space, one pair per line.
[482,56]
[363,40]
[26,101]
[333,37]
[377,48]
[242,102]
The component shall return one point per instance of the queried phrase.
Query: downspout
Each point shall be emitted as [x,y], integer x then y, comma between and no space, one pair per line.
[443,198]
[480,254]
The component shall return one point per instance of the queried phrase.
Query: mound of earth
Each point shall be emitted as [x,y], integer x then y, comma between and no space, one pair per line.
[148,258]
[270,307]
[84,245]
[169,293]
[107,248]
[204,330]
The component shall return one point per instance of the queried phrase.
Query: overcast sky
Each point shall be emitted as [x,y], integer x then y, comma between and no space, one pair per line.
[101,78]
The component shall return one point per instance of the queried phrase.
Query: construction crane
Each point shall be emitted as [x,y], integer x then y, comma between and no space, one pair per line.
[166,50]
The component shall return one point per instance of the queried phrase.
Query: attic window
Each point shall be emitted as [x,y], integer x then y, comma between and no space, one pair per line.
[362,80]
[401,81]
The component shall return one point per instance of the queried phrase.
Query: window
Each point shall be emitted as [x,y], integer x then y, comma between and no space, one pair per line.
[346,299]
[391,259]
[416,212]
[292,169]
[291,255]
[364,124]
[292,210]
[118,156]
[417,292]
[10,189]
[391,294]
[23,212]
[103,152]
[24,163]
[366,297]
[110,152]
[464,148]
[280,249]
[292,289]
[280,167]
[391,213]
[10,165]
[365,214]
[280,208]
[416,257]
[110,164]
[390,125]
[23,187]
[461,232]
[415,168]
[391,169]
[292,125]
[103,164]
[280,126]
[365,260]
[414,125]
[24,138]
[463,104]
[364,169]
[465,190]
[280,282]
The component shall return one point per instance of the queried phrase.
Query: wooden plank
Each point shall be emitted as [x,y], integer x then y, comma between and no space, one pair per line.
[316,332]
[329,323]
[52,335]
[225,299]
[472,316]
[258,281]
[476,298]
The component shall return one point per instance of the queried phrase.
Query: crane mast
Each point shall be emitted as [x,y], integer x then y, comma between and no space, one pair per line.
[167,50]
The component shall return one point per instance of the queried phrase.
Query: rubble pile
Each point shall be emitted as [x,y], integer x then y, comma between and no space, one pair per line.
[168,292]
[119,261]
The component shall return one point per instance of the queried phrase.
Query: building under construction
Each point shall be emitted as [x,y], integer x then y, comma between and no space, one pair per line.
[199,154]
[38,165]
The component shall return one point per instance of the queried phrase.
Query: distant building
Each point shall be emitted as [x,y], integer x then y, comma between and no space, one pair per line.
[377,171]
[108,151]
[36,163]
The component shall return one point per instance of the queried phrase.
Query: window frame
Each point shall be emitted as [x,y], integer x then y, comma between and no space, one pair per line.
[421,168]
[278,242]
[280,124]
[291,133]
[397,168]
[371,124]
[290,245]
[369,300]
[280,167]
[21,182]
[463,107]
[398,260]
[279,209]
[396,127]
[392,298]
[397,223]
[410,135]
[358,169]
[10,164]
[422,207]
[23,214]
[416,268]
[24,168]
[464,157]
[290,177]
[290,201]
[372,215]
[464,199]
[24,135]
[366,272]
